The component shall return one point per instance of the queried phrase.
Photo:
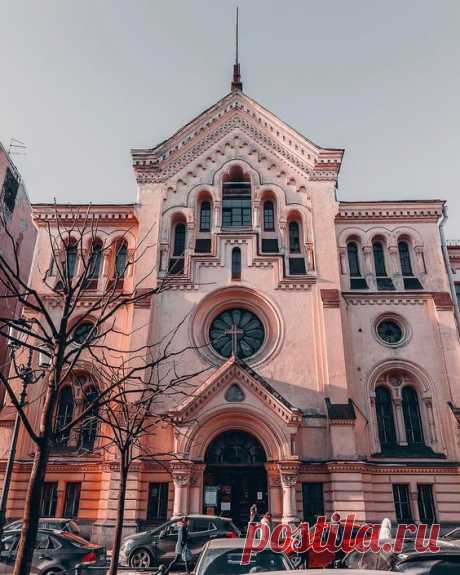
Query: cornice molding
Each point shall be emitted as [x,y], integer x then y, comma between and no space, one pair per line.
[370,212]
[45,214]
[380,298]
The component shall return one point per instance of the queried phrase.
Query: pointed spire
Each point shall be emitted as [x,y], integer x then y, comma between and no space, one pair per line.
[237,85]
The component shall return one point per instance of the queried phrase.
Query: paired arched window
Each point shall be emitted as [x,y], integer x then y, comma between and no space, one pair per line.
[64,415]
[121,259]
[385,417]
[379,258]
[71,258]
[95,260]
[205,216]
[88,431]
[179,240]
[236,199]
[353,259]
[269,216]
[236,264]
[294,237]
[404,258]
[412,419]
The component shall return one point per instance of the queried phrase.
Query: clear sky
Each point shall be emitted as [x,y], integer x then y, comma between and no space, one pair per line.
[83,81]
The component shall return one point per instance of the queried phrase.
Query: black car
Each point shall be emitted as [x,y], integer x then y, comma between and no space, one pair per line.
[157,546]
[446,561]
[55,552]
[56,523]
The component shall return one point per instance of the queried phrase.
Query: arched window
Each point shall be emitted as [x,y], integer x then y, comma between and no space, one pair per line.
[236,199]
[404,259]
[95,260]
[179,240]
[64,415]
[385,418]
[236,264]
[269,216]
[412,419]
[205,216]
[353,259]
[88,430]
[121,259]
[71,258]
[294,238]
[379,259]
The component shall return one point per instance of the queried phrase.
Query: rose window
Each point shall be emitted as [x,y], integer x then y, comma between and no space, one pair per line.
[236,331]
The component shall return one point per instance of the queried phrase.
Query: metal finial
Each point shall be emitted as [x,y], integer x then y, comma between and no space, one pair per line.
[237,85]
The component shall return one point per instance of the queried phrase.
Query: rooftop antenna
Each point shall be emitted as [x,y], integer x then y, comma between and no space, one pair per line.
[17,148]
[237,85]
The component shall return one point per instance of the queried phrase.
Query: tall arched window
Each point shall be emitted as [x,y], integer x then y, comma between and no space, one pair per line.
[71,258]
[121,259]
[294,238]
[404,258]
[353,259]
[64,415]
[236,199]
[179,240]
[88,430]
[379,259]
[412,419]
[269,216]
[385,417]
[205,216]
[236,264]
[95,260]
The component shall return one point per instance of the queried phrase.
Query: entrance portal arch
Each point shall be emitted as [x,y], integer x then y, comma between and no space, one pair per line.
[235,477]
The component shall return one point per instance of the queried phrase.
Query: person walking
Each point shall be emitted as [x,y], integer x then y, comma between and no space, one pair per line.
[267,520]
[182,549]
[252,513]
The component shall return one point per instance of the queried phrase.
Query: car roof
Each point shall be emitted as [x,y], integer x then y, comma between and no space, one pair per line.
[204,516]
[226,543]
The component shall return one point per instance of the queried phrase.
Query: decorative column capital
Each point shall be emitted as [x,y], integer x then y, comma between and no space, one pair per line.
[181,472]
[289,471]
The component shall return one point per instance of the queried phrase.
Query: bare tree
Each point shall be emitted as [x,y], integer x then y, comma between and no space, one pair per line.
[50,333]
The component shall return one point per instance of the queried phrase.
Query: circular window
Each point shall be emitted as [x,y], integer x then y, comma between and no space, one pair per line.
[238,329]
[390,331]
[82,331]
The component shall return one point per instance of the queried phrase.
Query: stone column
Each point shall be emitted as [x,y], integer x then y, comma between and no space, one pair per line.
[274,491]
[196,487]
[181,474]
[399,421]
[288,473]
[368,266]
[431,423]
[394,270]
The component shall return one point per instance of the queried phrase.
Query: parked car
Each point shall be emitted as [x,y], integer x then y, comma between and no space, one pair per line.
[57,523]
[446,561]
[55,552]
[318,560]
[224,556]
[149,548]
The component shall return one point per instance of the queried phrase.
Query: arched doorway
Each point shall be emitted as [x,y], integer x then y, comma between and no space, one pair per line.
[235,476]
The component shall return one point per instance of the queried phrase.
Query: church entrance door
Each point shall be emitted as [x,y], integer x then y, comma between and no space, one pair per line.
[235,477]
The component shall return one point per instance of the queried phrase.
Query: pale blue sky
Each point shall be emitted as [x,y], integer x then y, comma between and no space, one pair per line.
[84,81]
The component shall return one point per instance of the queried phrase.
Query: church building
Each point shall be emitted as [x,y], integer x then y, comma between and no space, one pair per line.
[327,330]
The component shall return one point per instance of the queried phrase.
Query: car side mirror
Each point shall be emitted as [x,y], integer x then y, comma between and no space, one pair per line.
[337,564]
[163,533]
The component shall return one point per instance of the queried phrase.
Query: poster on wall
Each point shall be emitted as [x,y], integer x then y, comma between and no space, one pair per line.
[210,496]
[225,506]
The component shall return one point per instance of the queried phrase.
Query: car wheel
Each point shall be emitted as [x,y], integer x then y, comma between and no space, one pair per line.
[141,559]
[299,561]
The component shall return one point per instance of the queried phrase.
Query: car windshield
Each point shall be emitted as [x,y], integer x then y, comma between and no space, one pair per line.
[229,562]
[454,534]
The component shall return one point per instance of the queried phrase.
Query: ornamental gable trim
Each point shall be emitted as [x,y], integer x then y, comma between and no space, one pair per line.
[370,212]
[113,214]
[237,371]
[236,110]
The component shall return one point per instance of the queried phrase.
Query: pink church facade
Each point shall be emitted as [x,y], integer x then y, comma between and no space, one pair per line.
[327,330]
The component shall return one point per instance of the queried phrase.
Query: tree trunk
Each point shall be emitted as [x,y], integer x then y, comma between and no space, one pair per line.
[124,470]
[31,512]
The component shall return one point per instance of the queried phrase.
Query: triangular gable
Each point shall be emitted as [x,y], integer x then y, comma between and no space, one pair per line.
[237,371]
[235,110]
